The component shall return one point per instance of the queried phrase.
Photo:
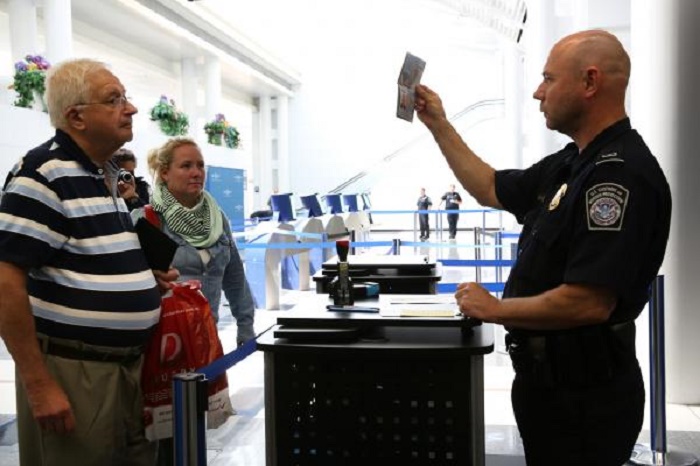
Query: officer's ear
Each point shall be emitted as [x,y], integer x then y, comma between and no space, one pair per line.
[591,80]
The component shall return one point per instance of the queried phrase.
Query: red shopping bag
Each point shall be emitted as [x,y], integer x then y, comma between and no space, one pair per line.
[184,340]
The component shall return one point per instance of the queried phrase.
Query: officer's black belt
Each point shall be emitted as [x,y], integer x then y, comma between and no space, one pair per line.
[536,345]
[71,351]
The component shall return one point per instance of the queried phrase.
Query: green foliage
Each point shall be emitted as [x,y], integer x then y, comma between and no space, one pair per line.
[219,130]
[29,78]
[172,122]
[232,137]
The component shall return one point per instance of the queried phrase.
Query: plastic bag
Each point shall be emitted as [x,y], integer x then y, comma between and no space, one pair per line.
[184,340]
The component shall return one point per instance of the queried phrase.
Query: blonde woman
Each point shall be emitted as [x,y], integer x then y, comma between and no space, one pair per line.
[192,217]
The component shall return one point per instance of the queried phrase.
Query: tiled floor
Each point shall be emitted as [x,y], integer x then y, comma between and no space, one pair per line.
[241,440]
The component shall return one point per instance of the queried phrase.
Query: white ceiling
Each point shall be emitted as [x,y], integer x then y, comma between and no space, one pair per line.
[251,37]
[168,30]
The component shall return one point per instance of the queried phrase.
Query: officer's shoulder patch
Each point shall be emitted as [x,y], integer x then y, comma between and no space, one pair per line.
[605,206]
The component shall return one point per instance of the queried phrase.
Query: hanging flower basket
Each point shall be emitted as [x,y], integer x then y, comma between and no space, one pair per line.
[29,81]
[221,131]
[171,121]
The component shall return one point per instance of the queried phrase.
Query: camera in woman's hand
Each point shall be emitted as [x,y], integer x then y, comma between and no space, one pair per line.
[125,176]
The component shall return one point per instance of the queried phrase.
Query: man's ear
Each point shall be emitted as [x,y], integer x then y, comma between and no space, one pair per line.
[592,80]
[74,117]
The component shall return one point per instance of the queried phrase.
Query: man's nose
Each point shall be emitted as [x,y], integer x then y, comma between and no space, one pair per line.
[131,108]
[538,94]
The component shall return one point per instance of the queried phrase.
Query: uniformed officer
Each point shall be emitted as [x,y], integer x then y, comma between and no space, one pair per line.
[452,201]
[596,219]
[424,203]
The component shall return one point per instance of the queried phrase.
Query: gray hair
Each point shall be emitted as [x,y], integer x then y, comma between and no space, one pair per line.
[66,85]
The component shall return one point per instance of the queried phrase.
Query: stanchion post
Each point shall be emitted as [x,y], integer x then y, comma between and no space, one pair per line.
[396,246]
[477,252]
[499,254]
[190,402]
[415,225]
[657,358]
[353,239]
[658,454]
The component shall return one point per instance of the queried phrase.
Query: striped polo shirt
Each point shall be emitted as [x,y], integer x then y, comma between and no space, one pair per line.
[87,276]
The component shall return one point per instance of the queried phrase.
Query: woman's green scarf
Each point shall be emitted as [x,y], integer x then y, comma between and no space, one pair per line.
[200,226]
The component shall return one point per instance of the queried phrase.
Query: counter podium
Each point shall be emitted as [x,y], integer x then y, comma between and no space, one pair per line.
[365,389]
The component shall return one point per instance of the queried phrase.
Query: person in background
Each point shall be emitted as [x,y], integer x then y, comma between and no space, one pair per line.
[424,203]
[191,216]
[136,192]
[77,299]
[580,280]
[452,200]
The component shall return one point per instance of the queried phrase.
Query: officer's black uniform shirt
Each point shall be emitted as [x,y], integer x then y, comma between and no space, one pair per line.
[600,217]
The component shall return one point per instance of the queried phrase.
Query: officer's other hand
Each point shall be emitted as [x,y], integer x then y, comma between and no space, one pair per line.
[429,106]
[50,406]
[475,301]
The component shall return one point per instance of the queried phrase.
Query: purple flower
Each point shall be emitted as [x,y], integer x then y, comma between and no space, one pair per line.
[220,117]
[163,99]
[20,66]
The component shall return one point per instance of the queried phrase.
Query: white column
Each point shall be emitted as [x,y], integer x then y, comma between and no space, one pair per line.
[540,27]
[59,30]
[283,143]
[665,73]
[23,39]
[188,68]
[513,83]
[212,100]
[262,163]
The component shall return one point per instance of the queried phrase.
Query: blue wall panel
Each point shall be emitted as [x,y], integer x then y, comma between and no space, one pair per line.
[227,186]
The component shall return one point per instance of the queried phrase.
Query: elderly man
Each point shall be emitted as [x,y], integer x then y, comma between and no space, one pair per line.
[596,221]
[77,299]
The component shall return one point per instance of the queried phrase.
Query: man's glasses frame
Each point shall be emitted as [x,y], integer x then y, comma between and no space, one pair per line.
[118,101]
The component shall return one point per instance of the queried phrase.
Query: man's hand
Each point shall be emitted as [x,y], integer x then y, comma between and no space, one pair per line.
[50,406]
[47,400]
[164,279]
[429,106]
[475,301]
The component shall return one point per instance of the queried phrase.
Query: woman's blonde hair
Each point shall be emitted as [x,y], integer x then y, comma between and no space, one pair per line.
[161,157]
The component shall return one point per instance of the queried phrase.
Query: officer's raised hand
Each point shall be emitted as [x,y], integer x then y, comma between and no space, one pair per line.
[475,301]
[429,106]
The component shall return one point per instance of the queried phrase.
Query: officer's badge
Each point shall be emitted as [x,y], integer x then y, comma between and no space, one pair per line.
[557,197]
[605,204]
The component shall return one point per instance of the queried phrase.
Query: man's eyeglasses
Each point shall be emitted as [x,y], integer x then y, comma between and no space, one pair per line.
[118,101]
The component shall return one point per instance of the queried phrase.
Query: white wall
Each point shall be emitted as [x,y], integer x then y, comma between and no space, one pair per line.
[23,129]
[145,76]
[342,119]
